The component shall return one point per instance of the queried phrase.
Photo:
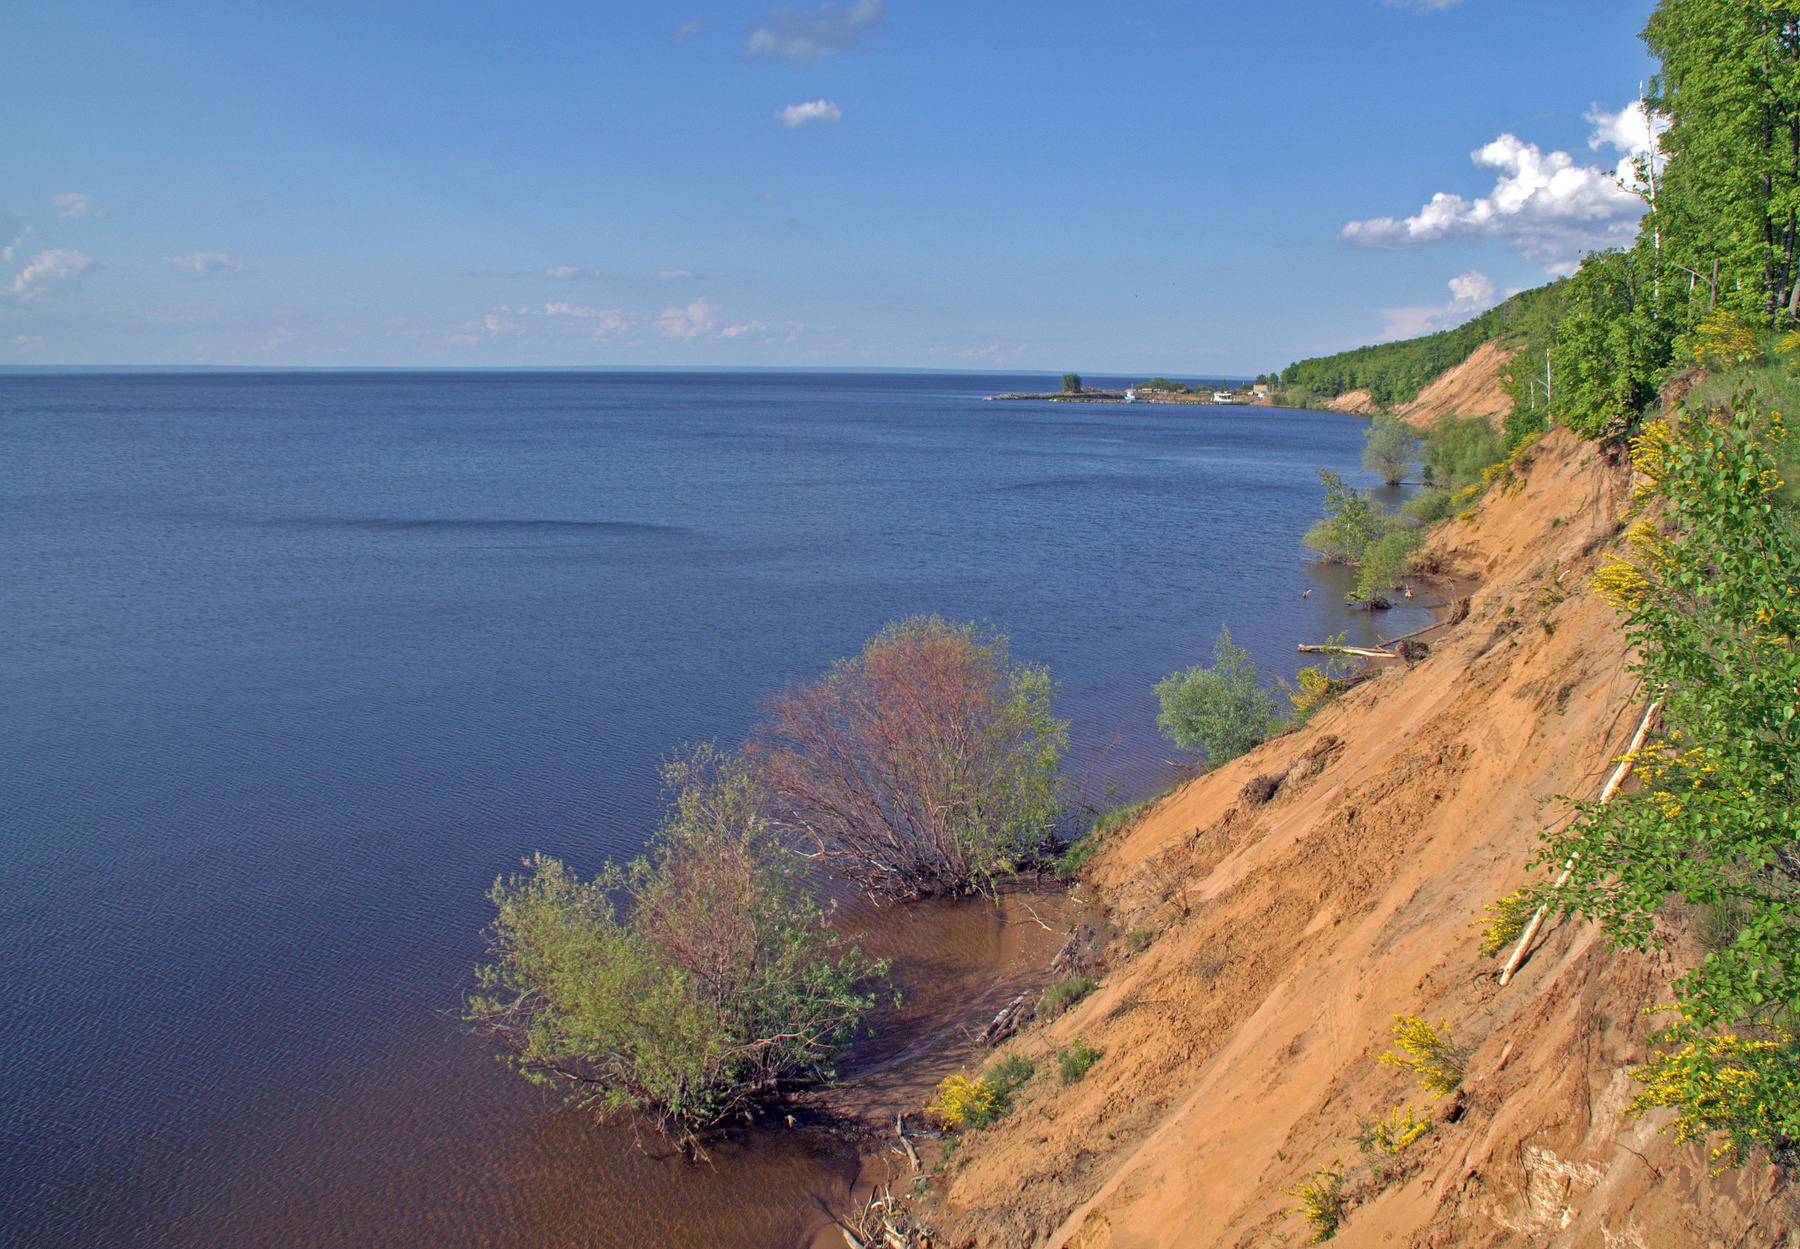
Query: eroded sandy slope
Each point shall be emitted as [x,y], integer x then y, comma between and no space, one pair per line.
[1242,1043]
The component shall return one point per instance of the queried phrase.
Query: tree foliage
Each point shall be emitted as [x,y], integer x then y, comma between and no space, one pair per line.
[1729,87]
[1071,383]
[1223,710]
[1711,599]
[1351,522]
[1395,372]
[927,764]
[1613,344]
[1390,447]
[683,988]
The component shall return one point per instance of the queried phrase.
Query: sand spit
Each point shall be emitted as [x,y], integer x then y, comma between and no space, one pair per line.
[1280,936]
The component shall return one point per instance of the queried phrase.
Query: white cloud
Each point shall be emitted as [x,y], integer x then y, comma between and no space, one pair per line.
[608,321]
[1423,6]
[802,114]
[1544,206]
[1634,132]
[208,264]
[667,275]
[1470,293]
[19,231]
[830,30]
[49,268]
[766,197]
[75,204]
[690,322]
[687,28]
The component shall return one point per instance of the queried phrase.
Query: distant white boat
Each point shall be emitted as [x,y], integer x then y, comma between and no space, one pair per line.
[1131,394]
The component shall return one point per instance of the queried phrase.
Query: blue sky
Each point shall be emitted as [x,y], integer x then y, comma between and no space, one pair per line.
[1184,188]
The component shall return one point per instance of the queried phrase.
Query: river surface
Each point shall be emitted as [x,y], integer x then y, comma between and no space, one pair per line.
[292,666]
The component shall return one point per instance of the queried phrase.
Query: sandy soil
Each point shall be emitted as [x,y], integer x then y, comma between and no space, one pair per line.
[1360,402]
[1472,388]
[1280,938]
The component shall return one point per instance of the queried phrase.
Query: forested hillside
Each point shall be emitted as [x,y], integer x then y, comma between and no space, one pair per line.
[1393,372]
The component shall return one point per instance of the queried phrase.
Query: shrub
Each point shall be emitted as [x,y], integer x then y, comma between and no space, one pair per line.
[1430,506]
[1711,598]
[961,1102]
[1223,710]
[1317,684]
[1071,383]
[1390,447]
[927,764]
[1506,920]
[1457,448]
[1013,1071]
[1351,522]
[1073,1063]
[1743,1089]
[714,985]
[1385,560]
[1058,999]
[1321,1196]
[1437,1062]
[1138,938]
[964,1103]
[1388,1137]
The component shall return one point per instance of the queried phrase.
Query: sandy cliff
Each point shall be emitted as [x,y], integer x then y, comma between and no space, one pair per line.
[1472,388]
[1241,1044]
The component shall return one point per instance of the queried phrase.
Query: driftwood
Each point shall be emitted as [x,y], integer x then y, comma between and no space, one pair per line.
[1013,1016]
[1361,652]
[900,1131]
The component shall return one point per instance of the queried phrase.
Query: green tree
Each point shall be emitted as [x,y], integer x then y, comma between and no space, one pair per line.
[684,988]
[1350,524]
[1390,447]
[1071,383]
[1729,86]
[1711,599]
[1612,346]
[929,763]
[1223,710]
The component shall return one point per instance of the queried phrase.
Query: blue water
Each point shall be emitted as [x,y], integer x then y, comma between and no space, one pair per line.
[292,666]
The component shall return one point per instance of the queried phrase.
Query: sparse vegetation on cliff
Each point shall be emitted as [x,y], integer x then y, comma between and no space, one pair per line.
[1223,710]
[1710,593]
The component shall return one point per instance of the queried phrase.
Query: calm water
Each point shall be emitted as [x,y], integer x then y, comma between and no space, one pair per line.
[293,666]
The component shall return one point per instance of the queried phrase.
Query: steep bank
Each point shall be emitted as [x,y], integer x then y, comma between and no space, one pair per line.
[1475,387]
[1242,1043]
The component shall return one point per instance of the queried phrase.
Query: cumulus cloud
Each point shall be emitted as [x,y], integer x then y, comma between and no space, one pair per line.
[75,204]
[1543,205]
[49,268]
[1635,132]
[208,264]
[829,30]
[1470,293]
[690,322]
[803,114]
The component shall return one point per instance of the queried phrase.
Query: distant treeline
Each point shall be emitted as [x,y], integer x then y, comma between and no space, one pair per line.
[1395,372]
